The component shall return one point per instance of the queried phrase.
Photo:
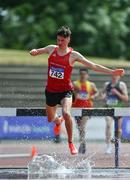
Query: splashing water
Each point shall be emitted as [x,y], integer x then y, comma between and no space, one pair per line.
[46,166]
[85,164]
[43,166]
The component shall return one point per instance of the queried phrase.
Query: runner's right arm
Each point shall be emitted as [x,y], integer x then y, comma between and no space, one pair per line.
[124,95]
[46,50]
[76,90]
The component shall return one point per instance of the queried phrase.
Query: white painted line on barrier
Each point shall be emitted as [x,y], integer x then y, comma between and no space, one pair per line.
[74,111]
[7,111]
[122,111]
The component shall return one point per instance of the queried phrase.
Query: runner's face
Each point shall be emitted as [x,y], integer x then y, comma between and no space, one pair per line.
[83,76]
[115,79]
[63,42]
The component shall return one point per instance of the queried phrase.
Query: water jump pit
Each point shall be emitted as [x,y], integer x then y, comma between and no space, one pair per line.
[53,167]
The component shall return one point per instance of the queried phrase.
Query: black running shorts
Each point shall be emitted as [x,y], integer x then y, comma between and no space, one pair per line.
[52,99]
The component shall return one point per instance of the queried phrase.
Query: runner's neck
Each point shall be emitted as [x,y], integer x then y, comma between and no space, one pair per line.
[114,83]
[62,52]
[83,80]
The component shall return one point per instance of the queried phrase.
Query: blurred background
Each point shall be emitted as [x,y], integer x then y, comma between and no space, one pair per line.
[100,31]
[99,28]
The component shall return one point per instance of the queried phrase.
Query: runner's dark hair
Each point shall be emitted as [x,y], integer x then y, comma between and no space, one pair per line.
[83,70]
[64,31]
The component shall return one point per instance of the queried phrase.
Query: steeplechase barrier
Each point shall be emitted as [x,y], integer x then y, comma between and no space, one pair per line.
[114,112]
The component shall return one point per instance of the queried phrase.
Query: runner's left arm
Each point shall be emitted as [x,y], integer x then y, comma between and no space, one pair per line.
[76,90]
[124,95]
[95,90]
[95,67]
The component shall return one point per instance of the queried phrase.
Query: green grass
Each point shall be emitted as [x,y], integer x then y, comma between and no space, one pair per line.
[19,57]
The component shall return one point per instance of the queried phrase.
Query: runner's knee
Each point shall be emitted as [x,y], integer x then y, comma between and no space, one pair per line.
[108,126]
[108,122]
[119,133]
[51,118]
[66,114]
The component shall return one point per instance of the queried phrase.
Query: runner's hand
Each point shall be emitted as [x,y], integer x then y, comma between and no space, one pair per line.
[119,72]
[34,52]
[114,91]
[92,97]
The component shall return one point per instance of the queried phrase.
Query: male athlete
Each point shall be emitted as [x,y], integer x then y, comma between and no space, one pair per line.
[115,94]
[59,86]
[85,92]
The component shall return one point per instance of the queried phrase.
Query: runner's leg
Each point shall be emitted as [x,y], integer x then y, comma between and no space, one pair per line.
[52,117]
[108,129]
[82,134]
[108,134]
[51,114]
[66,104]
[82,129]
[119,127]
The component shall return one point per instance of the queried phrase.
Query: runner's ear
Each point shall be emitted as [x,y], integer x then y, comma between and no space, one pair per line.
[68,39]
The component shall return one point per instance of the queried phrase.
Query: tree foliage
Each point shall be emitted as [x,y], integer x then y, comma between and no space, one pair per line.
[99,28]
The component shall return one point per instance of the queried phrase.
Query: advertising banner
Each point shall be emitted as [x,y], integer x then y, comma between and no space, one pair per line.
[26,128]
[34,127]
[126,128]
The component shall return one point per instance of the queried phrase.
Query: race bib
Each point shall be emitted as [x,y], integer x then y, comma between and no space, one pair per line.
[57,73]
[112,101]
[83,95]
